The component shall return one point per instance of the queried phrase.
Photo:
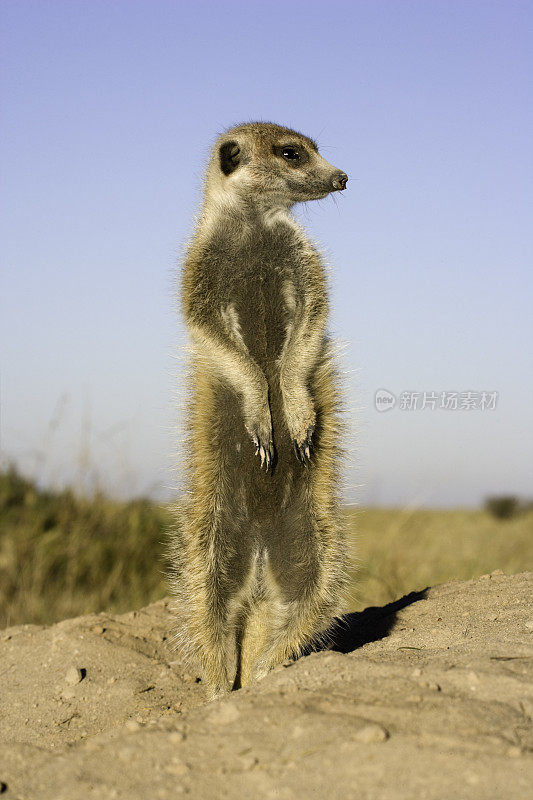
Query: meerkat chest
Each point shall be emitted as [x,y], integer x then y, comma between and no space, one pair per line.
[263,295]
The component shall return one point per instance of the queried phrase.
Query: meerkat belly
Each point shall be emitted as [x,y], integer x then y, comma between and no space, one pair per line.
[260,315]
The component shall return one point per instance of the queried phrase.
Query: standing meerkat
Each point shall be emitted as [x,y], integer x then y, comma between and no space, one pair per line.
[259,551]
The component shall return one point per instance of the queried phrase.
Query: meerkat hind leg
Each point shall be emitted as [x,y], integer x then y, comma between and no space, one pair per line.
[214,640]
[254,636]
[301,606]
[214,624]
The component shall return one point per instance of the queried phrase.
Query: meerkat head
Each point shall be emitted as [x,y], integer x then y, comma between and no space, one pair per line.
[264,162]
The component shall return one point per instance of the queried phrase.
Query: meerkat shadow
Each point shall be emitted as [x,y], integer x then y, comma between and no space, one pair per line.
[358,628]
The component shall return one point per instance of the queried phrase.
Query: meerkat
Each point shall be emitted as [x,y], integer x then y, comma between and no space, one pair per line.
[259,551]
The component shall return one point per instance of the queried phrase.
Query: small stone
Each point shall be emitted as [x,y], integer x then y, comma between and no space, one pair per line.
[98,629]
[247,762]
[527,707]
[224,714]
[435,687]
[176,737]
[529,625]
[132,726]
[372,733]
[417,672]
[177,767]
[514,752]
[74,675]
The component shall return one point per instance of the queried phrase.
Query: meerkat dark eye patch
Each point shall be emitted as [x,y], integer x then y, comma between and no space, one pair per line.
[229,154]
[293,154]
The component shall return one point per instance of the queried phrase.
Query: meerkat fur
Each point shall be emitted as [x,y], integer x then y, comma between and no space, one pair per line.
[258,550]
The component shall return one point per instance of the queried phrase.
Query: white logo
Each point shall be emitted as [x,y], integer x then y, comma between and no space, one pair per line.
[384,400]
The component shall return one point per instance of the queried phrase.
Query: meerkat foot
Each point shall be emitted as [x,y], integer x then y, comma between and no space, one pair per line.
[301,419]
[265,452]
[303,449]
[261,436]
[216,692]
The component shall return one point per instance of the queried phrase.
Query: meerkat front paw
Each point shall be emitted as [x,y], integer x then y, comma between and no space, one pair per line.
[303,448]
[260,432]
[301,419]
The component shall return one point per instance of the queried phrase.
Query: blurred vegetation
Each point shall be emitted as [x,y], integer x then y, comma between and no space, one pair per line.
[63,555]
[398,551]
[503,507]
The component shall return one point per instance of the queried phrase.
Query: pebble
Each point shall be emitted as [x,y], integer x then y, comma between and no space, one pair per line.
[224,714]
[98,629]
[417,672]
[247,762]
[372,733]
[514,752]
[527,707]
[132,725]
[74,675]
[529,625]
[177,767]
[472,679]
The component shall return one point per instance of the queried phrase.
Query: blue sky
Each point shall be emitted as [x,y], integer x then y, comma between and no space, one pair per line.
[109,111]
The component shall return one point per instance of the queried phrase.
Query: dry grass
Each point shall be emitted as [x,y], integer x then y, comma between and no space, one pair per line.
[401,550]
[62,555]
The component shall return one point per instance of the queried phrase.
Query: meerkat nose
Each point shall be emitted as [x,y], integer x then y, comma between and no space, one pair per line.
[340,180]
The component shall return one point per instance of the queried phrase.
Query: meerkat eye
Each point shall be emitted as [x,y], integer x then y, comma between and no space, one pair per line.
[296,155]
[290,153]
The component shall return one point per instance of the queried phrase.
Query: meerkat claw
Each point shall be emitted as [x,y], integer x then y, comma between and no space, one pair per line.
[299,452]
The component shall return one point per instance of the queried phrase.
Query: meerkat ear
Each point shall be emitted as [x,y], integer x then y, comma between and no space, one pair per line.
[229,157]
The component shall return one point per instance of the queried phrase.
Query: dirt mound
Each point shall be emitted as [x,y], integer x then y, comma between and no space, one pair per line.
[428,697]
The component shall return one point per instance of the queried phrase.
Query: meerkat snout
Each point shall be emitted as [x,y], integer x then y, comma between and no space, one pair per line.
[339,181]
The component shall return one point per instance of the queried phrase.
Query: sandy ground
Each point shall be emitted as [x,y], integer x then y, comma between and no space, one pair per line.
[429,697]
